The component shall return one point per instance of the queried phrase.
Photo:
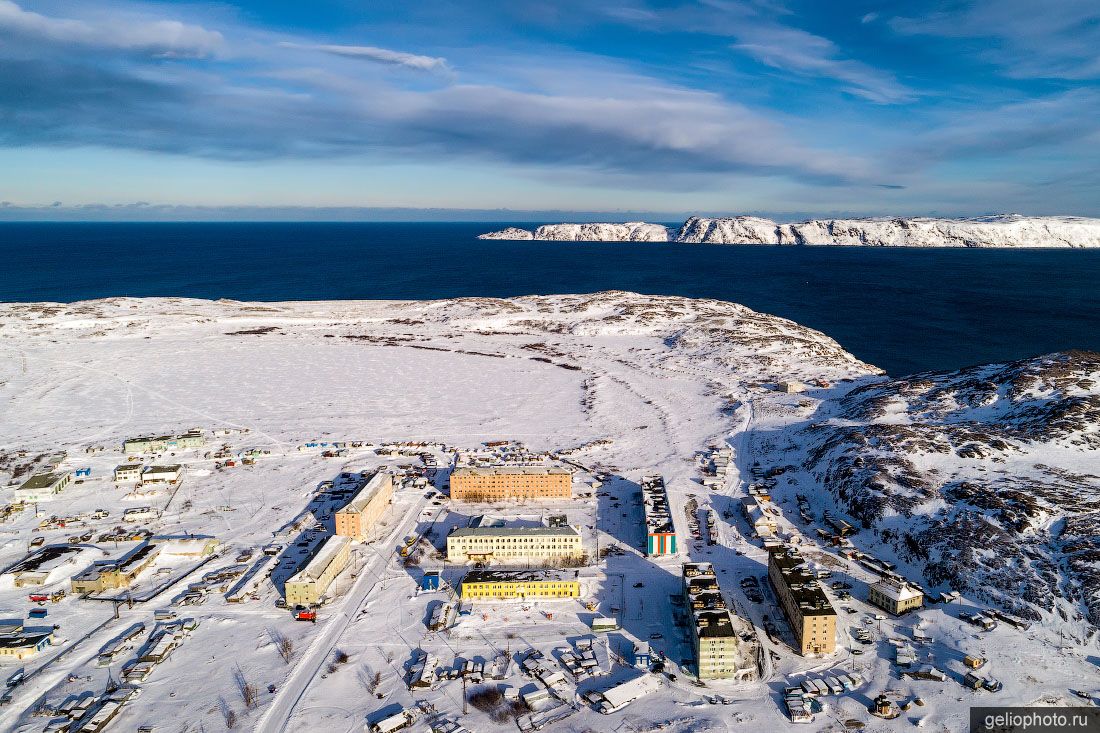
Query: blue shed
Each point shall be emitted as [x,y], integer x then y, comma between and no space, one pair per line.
[430,581]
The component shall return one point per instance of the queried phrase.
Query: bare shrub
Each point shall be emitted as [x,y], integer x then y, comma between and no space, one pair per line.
[485,699]
[286,649]
[246,689]
[283,645]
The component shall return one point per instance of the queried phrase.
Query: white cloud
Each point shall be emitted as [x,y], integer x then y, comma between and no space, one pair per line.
[159,37]
[1058,40]
[378,55]
[806,54]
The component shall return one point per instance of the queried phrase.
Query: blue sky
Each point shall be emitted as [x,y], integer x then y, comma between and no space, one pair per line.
[781,107]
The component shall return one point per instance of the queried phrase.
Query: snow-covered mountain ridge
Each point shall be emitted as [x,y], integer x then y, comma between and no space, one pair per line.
[1010,230]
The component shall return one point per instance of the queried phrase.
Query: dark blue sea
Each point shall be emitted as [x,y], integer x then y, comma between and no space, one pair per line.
[905,310]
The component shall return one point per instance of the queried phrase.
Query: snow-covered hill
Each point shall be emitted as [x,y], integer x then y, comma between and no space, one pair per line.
[983,479]
[631,231]
[987,479]
[1010,230]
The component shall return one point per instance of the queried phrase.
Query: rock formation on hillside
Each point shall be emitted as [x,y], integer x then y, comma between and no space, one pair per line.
[985,478]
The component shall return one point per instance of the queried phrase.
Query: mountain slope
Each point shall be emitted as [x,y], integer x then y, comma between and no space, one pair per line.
[986,479]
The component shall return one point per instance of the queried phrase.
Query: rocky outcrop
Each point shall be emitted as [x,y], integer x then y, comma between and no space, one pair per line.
[984,478]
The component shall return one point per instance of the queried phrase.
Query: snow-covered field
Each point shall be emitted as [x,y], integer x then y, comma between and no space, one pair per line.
[621,385]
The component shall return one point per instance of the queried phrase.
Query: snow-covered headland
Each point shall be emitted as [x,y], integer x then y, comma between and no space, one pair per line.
[981,481]
[1009,231]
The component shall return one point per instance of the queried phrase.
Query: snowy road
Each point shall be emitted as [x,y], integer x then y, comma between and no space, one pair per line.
[276,718]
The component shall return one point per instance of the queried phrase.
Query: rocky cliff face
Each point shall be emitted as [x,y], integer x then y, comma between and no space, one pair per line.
[986,478]
[995,231]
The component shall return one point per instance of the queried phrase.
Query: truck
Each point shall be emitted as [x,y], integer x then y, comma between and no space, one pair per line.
[409,544]
[305,614]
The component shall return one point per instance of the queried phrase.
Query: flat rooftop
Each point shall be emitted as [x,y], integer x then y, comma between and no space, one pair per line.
[713,620]
[509,470]
[43,480]
[363,497]
[804,587]
[24,639]
[515,532]
[45,558]
[320,562]
[714,624]
[136,556]
[519,576]
[658,517]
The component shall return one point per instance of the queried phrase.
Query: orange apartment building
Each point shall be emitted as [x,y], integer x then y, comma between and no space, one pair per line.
[511,482]
[359,515]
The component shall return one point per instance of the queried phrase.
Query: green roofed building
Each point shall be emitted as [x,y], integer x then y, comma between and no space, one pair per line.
[43,487]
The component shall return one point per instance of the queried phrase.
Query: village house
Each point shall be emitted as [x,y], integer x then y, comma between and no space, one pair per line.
[757,514]
[895,595]
[128,472]
[37,568]
[117,573]
[169,474]
[26,643]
